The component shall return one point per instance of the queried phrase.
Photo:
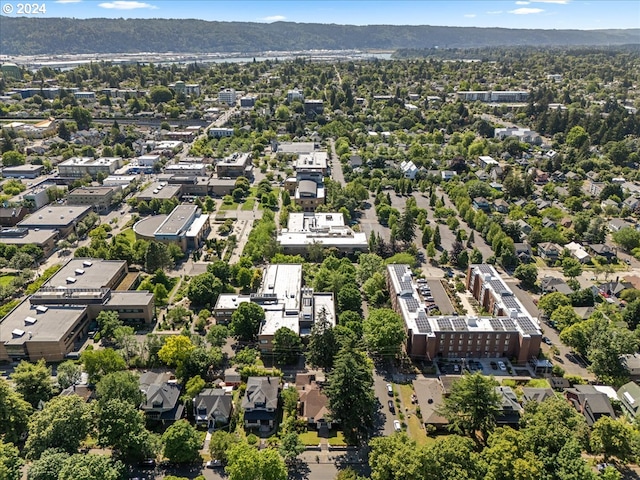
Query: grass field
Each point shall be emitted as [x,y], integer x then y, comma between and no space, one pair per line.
[232,206]
[130,234]
[248,205]
[5,280]
[336,438]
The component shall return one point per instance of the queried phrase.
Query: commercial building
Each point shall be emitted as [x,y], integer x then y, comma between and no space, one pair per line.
[185,226]
[197,169]
[307,188]
[493,96]
[56,319]
[284,301]
[221,132]
[161,191]
[9,217]
[295,95]
[294,148]
[312,166]
[248,101]
[23,171]
[507,331]
[119,180]
[98,198]
[312,108]
[56,217]
[43,238]
[78,167]
[228,96]
[235,165]
[522,134]
[326,229]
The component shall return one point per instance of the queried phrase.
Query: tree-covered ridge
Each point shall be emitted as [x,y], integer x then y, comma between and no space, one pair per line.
[33,36]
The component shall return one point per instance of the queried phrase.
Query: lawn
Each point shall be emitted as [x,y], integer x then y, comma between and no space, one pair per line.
[5,280]
[231,206]
[336,438]
[538,383]
[310,438]
[248,205]
[130,234]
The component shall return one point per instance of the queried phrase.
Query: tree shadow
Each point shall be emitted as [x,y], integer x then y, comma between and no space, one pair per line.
[299,470]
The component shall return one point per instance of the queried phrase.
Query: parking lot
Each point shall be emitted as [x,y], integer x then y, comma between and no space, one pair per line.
[488,366]
[435,296]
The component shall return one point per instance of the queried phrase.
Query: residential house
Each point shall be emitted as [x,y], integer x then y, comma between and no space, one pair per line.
[570,176]
[501,206]
[617,224]
[591,403]
[558,176]
[161,397]
[539,395]
[232,377]
[355,161]
[550,284]
[603,250]
[559,383]
[482,175]
[584,313]
[541,203]
[524,226]
[485,161]
[578,252]
[313,403]
[613,288]
[481,203]
[409,170]
[509,410]
[549,251]
[260,402]
[447,174]
[631,363]
[523,252]
[632,203]
[629,395]
[212,406]
[539,177]
[548,223]
[83,391]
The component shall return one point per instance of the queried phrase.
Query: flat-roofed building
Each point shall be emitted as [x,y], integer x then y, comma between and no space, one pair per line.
[188,169]
[99,198]
[228,96]
[497,96]
[235,165]
[248,101]
[312,165]
[56,217]
[221,186]
[161,191]
[294,148]
[312,108]
[507,331]
[43,238]
[226,304]
[309,195]
[148,160]
[221,132]
[23,171]
[78,167]
[119,180]
[185,226]
[55,320]
[326,229]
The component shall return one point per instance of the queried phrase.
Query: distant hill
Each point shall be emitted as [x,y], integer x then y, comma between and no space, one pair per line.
[42,36]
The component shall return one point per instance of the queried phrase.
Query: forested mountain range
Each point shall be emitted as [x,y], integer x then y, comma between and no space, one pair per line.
[42,36]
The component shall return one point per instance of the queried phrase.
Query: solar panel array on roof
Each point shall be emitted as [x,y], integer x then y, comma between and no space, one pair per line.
[497,286]
[496,324]
[423,323]
[444,324]
[484,268]
[510,301]
[527,325]
[509,324]
[459,324]
[412,304]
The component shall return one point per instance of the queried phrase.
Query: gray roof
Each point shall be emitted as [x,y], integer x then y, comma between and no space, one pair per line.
[308,187]
[160,395]
[88,273]
[55,216]
[215,402]
[261,393]
[178,220]
[536,394]
[24,236]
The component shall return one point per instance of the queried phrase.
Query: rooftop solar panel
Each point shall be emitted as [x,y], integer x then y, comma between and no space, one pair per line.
[527,325]
[510,301]
[497,286]
[496,324]
[444,324]
[423,323]
[509,324]
[412,304]
[459,324]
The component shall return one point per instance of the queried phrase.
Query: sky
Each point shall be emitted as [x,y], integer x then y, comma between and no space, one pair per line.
[545,14]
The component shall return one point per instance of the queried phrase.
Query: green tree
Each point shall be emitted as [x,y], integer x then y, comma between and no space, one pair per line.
[577,137]
[48,465]
[14,413]
[90,467]
[631,314]
[472,405]
[63,423]
[551,301]
[176,350]
[248,463]
[246,320]
[286,346]
[82,117]
[350,394]
[160,294]
[108,321]
[527,274]
[396,457]
[628,238]
[384,332]
[437,239]
[204,289]
[290,447]
[368,265]
[322,347]
[507,457]
[221,443]
[10,461]
[571,267]
[564,316]
[160,94]
[33,381]
[217,335]
[122,385]
[68,373]
[98,363]
[158,257]
[453,457]
[614,438]
[181,443]
[12,158]
[406,227]
[349,298]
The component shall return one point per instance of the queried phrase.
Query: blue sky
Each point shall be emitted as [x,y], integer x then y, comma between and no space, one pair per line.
[547,14]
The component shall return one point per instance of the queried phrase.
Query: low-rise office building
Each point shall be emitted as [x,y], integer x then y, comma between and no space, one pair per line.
[188,169]
[63,218]
[221,132]
[56,319]
[78,167]
[327,229]
[23,171]
[43,238]
[235,165]
[507,331]
[9,217]
[185,226]
[496,96]
[98,198]
[161,191]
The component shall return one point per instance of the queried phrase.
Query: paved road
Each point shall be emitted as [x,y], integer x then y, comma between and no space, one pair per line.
[381,377]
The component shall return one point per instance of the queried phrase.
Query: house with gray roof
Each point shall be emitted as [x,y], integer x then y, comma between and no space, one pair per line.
[591,403]
[212,407]
[260,402]
[629,395]
[161,397]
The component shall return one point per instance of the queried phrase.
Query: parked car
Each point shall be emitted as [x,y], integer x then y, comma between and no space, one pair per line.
[390,389]
[396,425]
[213,464]
[494,365]
[502,366]
[547,340]
[392,407]
[147,464]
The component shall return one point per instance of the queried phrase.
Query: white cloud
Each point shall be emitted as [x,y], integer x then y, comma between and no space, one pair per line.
[526,11]
[126,5]
[67,1]
[558,2]
[274,18]
[494,12]
[470,15]
[523,3]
